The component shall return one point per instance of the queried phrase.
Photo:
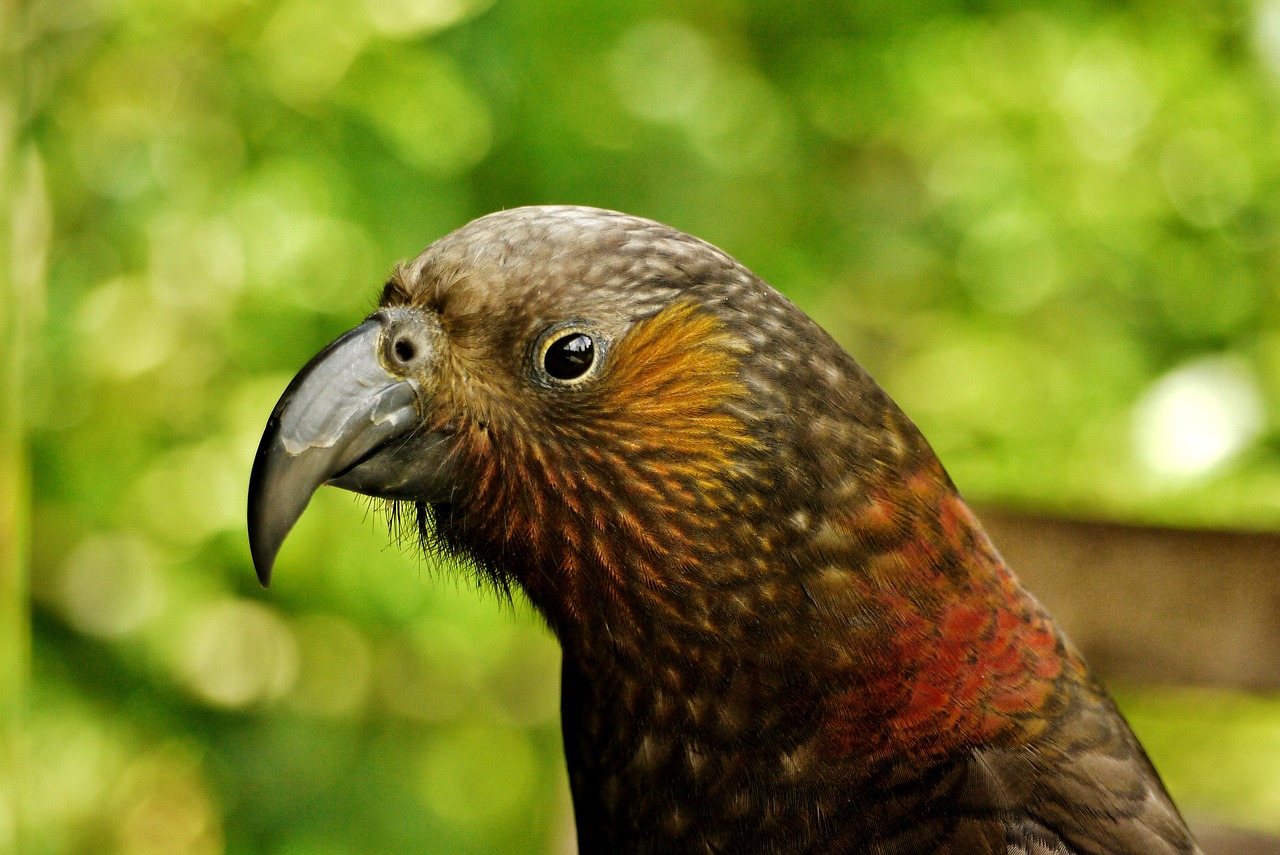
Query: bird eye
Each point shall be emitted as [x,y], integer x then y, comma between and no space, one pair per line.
[569,356]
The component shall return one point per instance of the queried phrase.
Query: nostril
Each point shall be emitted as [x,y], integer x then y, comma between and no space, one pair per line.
[404,350]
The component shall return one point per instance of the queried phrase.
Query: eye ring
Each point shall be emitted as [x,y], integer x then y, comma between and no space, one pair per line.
[568,355]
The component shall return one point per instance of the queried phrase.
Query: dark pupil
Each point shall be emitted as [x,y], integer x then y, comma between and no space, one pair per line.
[570,356]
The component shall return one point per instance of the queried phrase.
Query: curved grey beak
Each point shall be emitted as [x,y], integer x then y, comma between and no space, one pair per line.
[344,420]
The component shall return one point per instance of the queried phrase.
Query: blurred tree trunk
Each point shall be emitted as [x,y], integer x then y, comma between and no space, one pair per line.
[24,240]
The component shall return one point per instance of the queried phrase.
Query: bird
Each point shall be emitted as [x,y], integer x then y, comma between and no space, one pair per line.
[782,628]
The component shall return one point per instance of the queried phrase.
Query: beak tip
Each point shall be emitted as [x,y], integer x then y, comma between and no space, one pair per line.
[264,540]
[264,560]
[264,575]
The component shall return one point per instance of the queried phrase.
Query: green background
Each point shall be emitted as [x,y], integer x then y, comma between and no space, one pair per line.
[1049,229]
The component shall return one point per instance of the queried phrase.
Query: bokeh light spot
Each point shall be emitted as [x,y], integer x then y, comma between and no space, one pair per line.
[307,47]
[1197,417]
[238,653]
[109,585]
[667,72]
[422,107]
[166,808]
[78,756]
[1266,35]
[405,18]
[197,262]
[193,492]
[663,70]
[743,126]
[1106,100]
[124,332]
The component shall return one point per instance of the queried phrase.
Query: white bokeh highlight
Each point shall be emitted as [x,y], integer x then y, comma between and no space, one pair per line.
[1197,417]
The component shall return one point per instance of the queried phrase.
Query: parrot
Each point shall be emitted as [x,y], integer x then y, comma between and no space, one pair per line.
[782,630]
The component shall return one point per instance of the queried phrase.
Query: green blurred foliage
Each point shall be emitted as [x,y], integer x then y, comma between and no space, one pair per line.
[1049,229]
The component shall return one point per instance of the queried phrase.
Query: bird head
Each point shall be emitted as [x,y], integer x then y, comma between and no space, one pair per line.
[595,407]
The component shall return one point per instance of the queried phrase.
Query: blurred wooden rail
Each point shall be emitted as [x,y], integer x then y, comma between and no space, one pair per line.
[1158,605]
[1154,605]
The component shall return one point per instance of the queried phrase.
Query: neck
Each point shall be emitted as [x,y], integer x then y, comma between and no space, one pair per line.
[818,647]
[891,619]
[953,652]
[878,604]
